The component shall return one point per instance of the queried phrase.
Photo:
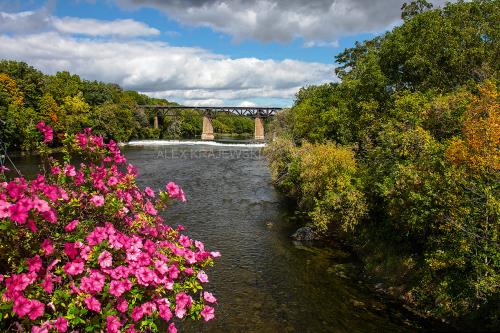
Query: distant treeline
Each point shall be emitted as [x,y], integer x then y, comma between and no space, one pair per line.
[69,104]
[402,158]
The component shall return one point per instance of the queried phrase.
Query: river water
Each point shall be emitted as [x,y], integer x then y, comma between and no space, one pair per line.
[264,281]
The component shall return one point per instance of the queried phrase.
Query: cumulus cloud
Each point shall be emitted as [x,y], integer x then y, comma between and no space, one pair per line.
[281,20]
[41,20]
[92,27]
[161,70]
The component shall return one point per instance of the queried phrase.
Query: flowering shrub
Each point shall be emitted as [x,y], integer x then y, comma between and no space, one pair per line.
[83,248]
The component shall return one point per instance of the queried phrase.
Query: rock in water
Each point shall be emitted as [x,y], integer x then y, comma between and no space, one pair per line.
[305,234]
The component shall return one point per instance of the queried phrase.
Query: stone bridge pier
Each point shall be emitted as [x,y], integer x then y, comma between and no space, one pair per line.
[259,129]
[208,128]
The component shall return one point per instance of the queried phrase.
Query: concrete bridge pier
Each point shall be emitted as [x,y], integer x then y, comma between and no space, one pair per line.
[208,129]
[155,122]
[259,129]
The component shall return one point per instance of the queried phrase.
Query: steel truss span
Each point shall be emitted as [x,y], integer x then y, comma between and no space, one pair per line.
[249,111]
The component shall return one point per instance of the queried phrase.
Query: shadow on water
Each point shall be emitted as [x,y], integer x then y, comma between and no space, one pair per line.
[264,281]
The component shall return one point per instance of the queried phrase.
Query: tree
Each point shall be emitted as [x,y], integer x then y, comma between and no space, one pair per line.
[412,9]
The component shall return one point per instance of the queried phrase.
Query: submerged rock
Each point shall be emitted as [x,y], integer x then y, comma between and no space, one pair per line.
[305,234]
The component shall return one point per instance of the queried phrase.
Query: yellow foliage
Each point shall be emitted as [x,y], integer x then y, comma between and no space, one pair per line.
[10,87]
[479,149]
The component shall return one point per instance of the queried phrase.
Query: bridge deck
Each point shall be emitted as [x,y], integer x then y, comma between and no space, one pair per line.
[251,111]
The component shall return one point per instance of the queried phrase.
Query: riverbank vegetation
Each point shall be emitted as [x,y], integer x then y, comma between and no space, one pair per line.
[68,104]
[402,159]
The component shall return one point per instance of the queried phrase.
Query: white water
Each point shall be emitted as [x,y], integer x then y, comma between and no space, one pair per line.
[190,143]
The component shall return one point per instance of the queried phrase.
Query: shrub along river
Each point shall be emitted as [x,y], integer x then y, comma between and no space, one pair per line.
[264,281]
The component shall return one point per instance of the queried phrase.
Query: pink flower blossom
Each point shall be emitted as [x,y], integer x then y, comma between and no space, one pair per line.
[97,200]
[122,305]
[202,277]
[69,170]
[112,324]
[165,312]
[208,313]
[71,226]
[46,130]
[61,324]
[215,254]
[4,209]
[70,250]
[182,302]
[22,306]
[47,247]
[92,304]
[74,267]
[112,181]
[41,205]
[37,310]
[209,297]
[34,264]
[171,328]
[137,313]
[105,259]
[18,213]
[149,192]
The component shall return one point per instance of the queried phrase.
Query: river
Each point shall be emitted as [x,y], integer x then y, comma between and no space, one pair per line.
[264,281]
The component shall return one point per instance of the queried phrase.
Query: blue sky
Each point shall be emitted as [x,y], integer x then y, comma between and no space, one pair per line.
[200,52]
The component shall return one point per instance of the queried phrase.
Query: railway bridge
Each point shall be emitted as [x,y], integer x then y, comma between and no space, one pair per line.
[210,112]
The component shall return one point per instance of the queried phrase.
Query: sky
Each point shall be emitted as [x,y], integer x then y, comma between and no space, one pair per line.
[194,52]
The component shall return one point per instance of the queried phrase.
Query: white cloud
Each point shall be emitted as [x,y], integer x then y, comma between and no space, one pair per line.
[282,20]
[161,70]
[204,102]
[91,27]
[247,104]
[41,20]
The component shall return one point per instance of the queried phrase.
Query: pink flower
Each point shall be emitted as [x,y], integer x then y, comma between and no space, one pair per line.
[150,209]
[38,329]
[70,250]
[165,312]
[112,181]
[74,267]
[202,277]
[182,301]
[208,313]
[149,192]
[137,313]
[37,309]
[34,264]
[215,254]
[61,324]
[22,306]
[47,247]
[97,200]
[92,304]
[18,213]
[69,170]
[112,324]
[171,328]
[122,305]
[173,189]
[46,130]
[209,297]
[71,226]
[47,284]
[116,288]
[41,205]
[105,259]
[4,209]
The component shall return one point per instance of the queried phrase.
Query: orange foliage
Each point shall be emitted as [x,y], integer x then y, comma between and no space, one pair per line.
[479,149]
[9,85]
